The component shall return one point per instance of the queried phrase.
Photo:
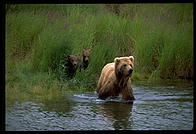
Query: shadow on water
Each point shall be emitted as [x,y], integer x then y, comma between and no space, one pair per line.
[58,106]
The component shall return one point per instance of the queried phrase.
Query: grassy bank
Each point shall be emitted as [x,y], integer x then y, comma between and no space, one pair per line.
[39,37]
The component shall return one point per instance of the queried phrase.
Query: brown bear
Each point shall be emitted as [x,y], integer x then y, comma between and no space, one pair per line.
[85,55]
[115,79]
[73,63]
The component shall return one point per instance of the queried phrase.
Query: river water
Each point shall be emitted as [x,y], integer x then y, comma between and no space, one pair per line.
[163,106]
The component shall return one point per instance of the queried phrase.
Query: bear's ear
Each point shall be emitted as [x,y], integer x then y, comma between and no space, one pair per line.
[131,58]
[69,57]
[116,60]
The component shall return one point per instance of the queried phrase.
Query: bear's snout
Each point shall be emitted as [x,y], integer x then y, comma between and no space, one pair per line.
[130,70]
[86,59]
[74,65]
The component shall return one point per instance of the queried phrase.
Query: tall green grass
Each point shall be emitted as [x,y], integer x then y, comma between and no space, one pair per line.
[39,38]
[164,39]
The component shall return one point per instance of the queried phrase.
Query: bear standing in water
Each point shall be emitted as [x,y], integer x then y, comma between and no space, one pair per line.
[115,79]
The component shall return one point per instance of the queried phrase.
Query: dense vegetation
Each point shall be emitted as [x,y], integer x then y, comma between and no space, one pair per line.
[39,38]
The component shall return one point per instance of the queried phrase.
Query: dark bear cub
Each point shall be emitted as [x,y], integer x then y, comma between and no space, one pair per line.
[73,63]
[85,56]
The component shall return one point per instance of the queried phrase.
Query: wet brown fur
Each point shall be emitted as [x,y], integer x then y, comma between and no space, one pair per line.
[115,79]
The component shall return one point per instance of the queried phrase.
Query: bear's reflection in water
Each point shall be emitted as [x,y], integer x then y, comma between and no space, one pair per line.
[103,114]
[118,113]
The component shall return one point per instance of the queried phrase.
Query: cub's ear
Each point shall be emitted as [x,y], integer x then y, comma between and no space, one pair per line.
[68,57]
[131,58]
[116,60]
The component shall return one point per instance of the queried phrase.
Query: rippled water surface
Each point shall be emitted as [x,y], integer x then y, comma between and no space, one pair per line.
[157,107]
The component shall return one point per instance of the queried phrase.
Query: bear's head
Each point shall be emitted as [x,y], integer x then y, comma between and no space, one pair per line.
[73,60]
[86,55]
[124,66]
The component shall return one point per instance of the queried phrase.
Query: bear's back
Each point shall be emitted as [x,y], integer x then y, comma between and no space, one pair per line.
[106,75]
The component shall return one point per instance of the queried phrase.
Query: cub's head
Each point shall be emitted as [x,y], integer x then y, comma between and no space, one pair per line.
[124,66]
[86,55]
[73,60]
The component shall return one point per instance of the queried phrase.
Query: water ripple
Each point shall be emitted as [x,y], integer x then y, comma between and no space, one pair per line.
[155,108]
